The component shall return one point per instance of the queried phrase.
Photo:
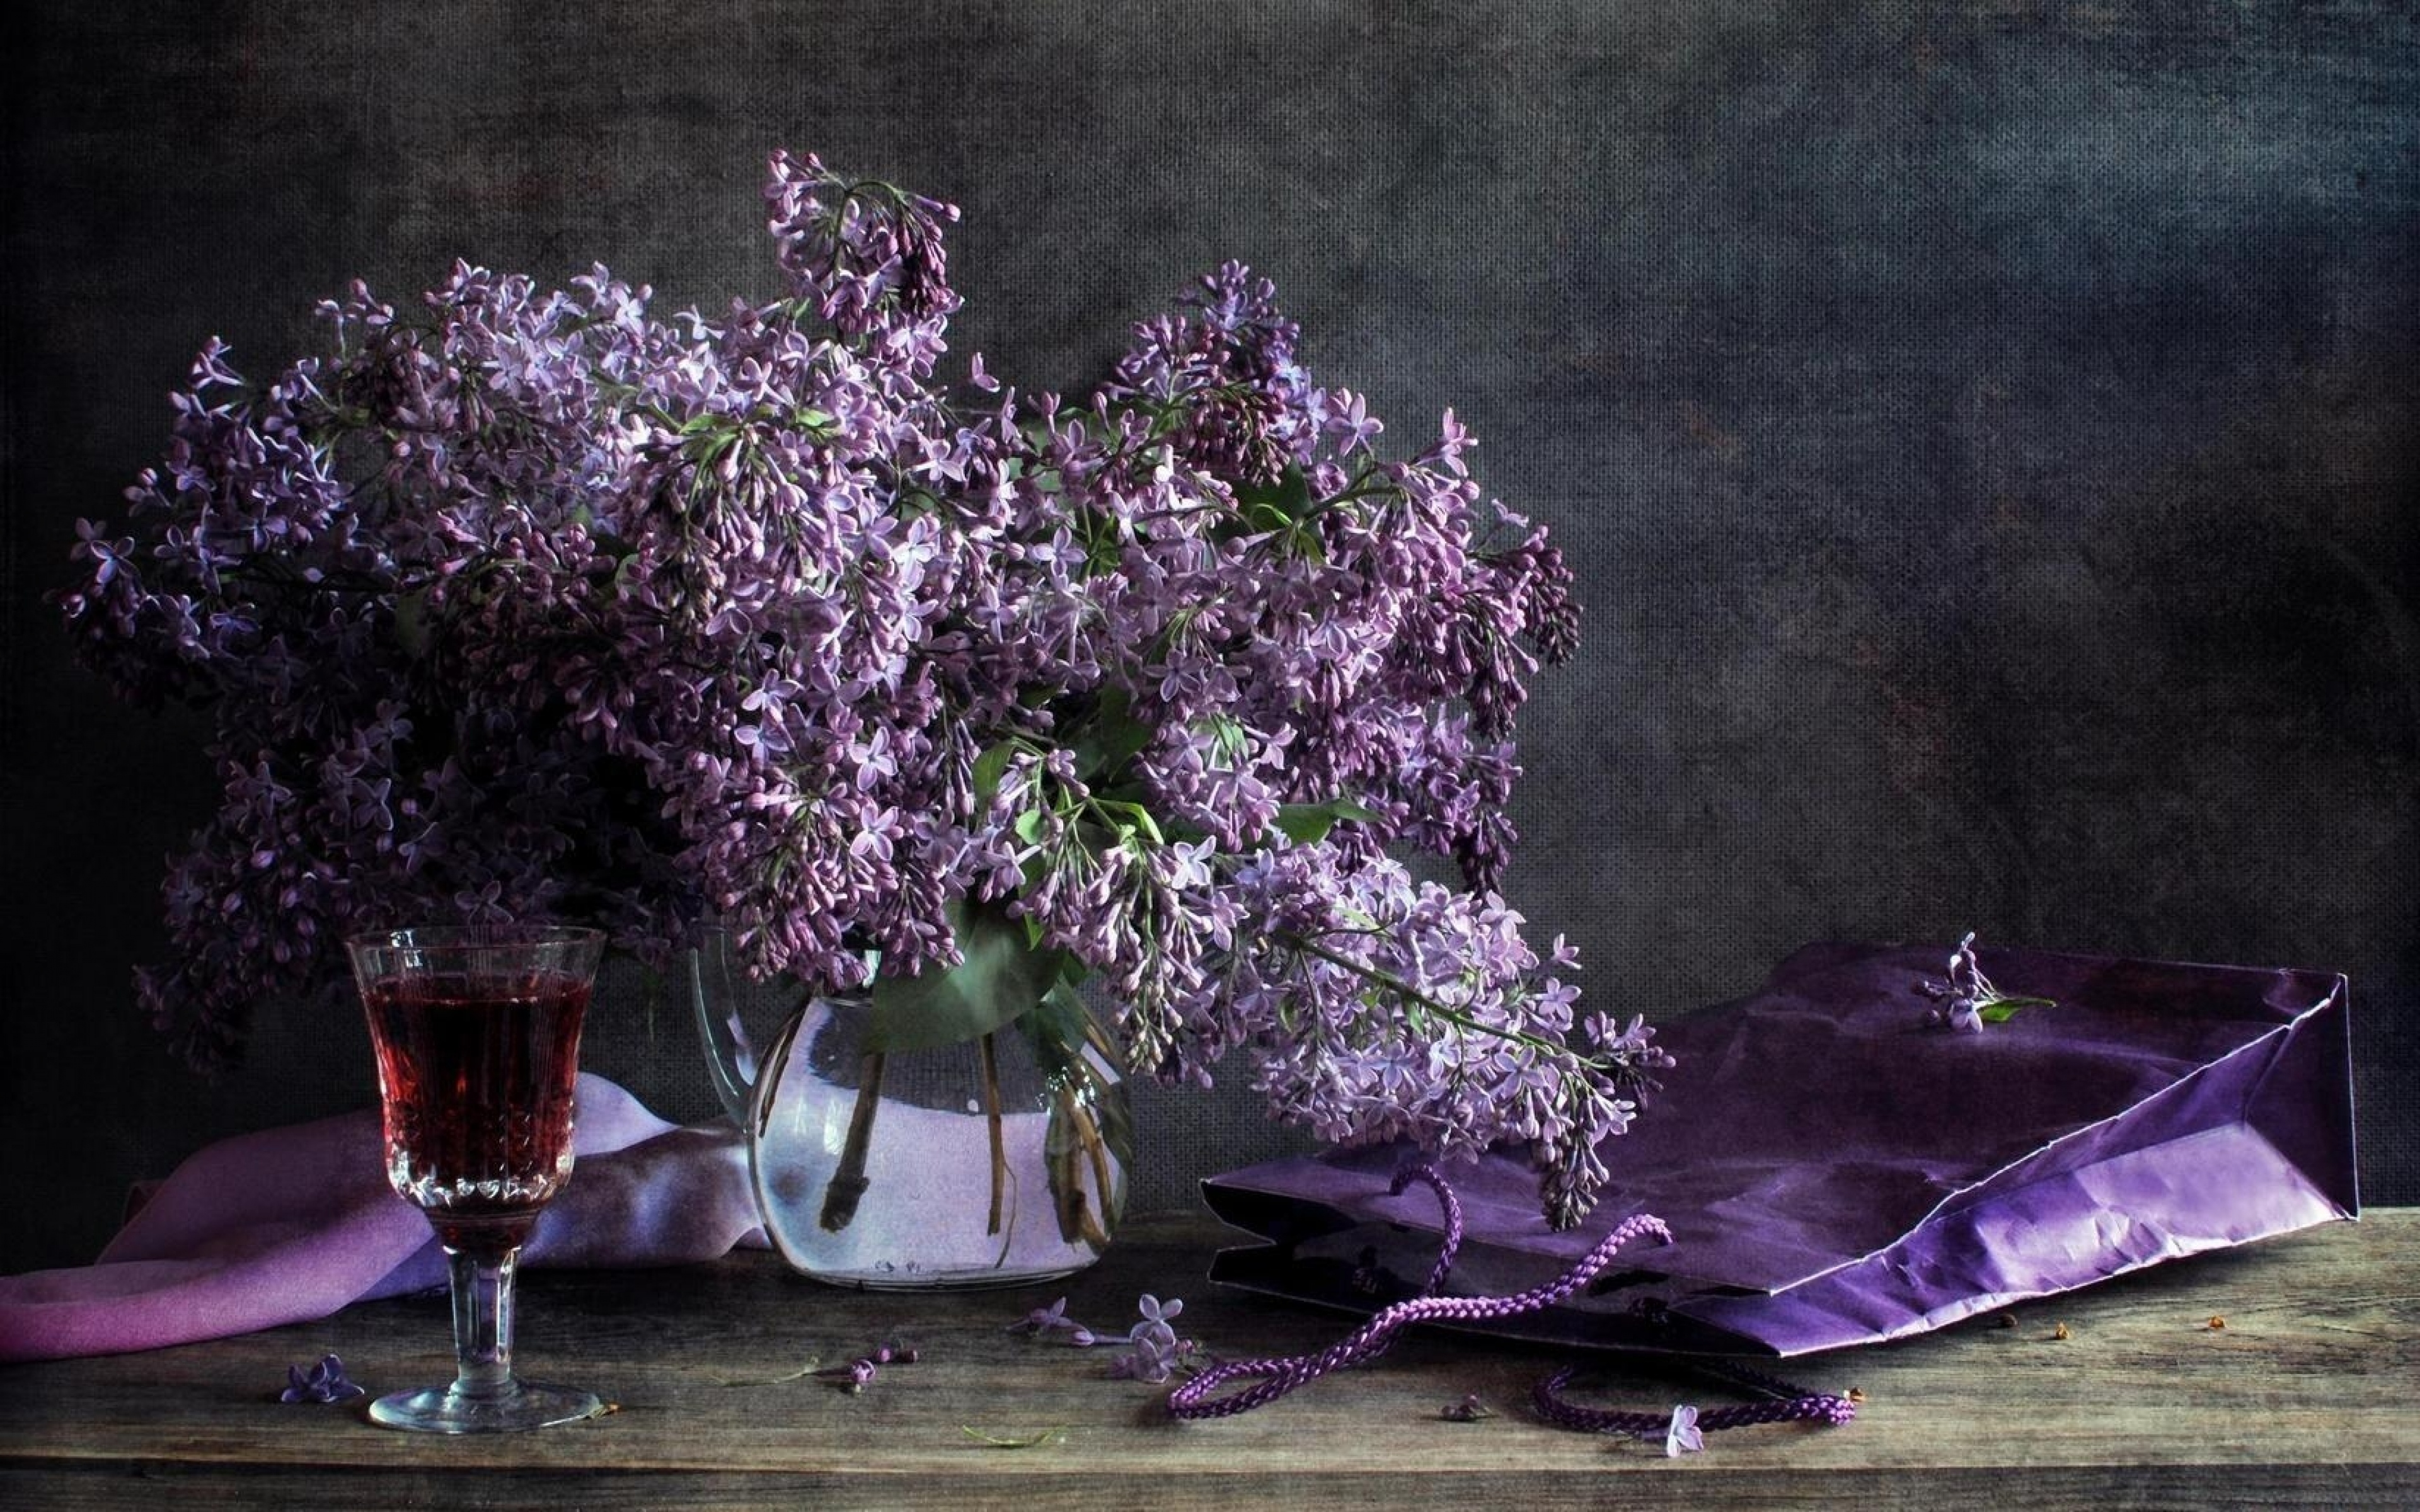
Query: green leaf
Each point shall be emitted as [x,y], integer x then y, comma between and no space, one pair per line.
[2001,1009]
[1063,1159]
[1058,1030]
[1000,979]
[1055,1029]
[1276,506]
[1136,812]
[1307,824]
[989,768]
[412,623]
[1029,827]
[1110,738]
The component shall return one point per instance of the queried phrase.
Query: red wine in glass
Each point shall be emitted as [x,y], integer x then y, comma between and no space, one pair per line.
[477,1035]
[477,1077]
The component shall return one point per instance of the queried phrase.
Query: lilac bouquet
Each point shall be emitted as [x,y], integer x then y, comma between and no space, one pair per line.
[524,603]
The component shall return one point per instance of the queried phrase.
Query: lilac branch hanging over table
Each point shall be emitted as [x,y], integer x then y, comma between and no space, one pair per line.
[528,604]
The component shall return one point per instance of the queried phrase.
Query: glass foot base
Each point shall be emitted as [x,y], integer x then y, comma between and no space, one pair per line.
[524,1405]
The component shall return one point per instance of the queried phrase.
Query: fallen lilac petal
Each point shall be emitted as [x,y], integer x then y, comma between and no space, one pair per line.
[1683,1437]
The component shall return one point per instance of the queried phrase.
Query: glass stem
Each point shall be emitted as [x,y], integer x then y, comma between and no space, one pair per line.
[483,1321]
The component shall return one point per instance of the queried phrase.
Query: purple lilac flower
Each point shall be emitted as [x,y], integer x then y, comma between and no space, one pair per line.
[1158,1314]
[1153,1351]
[1044,1319]
[519,602]
[321,1383]
[1150,1360]
[1683,1436]
[1967,1000]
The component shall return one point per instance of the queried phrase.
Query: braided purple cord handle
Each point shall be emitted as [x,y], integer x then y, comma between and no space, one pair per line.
[1790,1405]
[1435,1181]
[1835,1410]
[1281,1376]
[1786,1403]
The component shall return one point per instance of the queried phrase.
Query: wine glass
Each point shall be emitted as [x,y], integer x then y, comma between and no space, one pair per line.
[477,1035]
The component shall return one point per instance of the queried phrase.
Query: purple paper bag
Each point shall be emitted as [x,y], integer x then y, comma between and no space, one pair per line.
[1835,1171]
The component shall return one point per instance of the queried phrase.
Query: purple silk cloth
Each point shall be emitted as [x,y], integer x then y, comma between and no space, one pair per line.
[1836,1172]
[293,1223]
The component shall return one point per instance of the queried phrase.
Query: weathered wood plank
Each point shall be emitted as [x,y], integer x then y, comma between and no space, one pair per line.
[1125,1487]
[2303,1396]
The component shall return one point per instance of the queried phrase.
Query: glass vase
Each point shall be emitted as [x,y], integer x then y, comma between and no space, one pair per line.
[990,1161]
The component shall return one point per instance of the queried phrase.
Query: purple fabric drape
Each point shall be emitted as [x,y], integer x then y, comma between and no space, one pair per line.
[293,1223]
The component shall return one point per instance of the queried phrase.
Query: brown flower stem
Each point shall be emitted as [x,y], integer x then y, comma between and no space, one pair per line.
[849,1182]
[1096,1151]
[1099,1037]
[999,1135]
[1088,1138]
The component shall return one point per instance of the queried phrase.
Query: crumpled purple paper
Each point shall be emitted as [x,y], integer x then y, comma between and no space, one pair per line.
[293,1223]
[1835,1171]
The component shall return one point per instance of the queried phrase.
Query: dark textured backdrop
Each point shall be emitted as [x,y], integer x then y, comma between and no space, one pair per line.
[1985,433]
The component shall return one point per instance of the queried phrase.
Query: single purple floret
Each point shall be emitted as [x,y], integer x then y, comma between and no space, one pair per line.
[1682,1436]
[1043,1319]
[1151,1358]
[323,1383]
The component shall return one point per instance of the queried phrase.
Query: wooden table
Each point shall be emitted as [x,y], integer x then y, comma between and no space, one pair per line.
[2305,1397]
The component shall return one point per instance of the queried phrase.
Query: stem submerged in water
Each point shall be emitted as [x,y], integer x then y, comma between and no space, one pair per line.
[849,1182]
[1078,1218]
[999,1133]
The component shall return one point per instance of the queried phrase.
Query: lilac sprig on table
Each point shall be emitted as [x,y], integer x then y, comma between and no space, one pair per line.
[324,1381]
[1968,1001]
[1149,1350]
[852,1377]
[524,603]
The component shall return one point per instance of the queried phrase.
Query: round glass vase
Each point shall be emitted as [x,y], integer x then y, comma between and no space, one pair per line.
[991,1162]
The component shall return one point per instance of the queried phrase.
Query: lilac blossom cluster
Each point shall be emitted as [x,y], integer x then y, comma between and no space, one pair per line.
[527,603]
